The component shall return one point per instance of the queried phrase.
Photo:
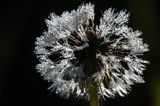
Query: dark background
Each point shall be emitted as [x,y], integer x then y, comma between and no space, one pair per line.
[20,24]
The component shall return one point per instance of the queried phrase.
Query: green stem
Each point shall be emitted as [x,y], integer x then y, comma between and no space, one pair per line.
[91,68]
[93,91]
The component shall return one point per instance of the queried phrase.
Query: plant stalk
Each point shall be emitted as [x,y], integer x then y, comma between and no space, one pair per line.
[91,68]
[93,91]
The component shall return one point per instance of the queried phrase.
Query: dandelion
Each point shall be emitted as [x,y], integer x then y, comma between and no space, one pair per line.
[87,60]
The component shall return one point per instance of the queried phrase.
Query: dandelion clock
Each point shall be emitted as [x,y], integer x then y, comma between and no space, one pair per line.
[90,61]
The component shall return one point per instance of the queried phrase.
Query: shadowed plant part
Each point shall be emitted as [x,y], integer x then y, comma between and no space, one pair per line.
[86,60]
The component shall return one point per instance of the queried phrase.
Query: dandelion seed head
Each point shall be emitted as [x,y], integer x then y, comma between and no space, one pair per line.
[74,51]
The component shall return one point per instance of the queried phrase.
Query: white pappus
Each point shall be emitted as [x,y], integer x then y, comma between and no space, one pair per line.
[74,51]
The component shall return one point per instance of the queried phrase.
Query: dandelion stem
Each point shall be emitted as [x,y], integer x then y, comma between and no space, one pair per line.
[93,91]
[91,66]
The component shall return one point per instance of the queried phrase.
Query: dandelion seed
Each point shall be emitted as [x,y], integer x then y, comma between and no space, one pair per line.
[74,53]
